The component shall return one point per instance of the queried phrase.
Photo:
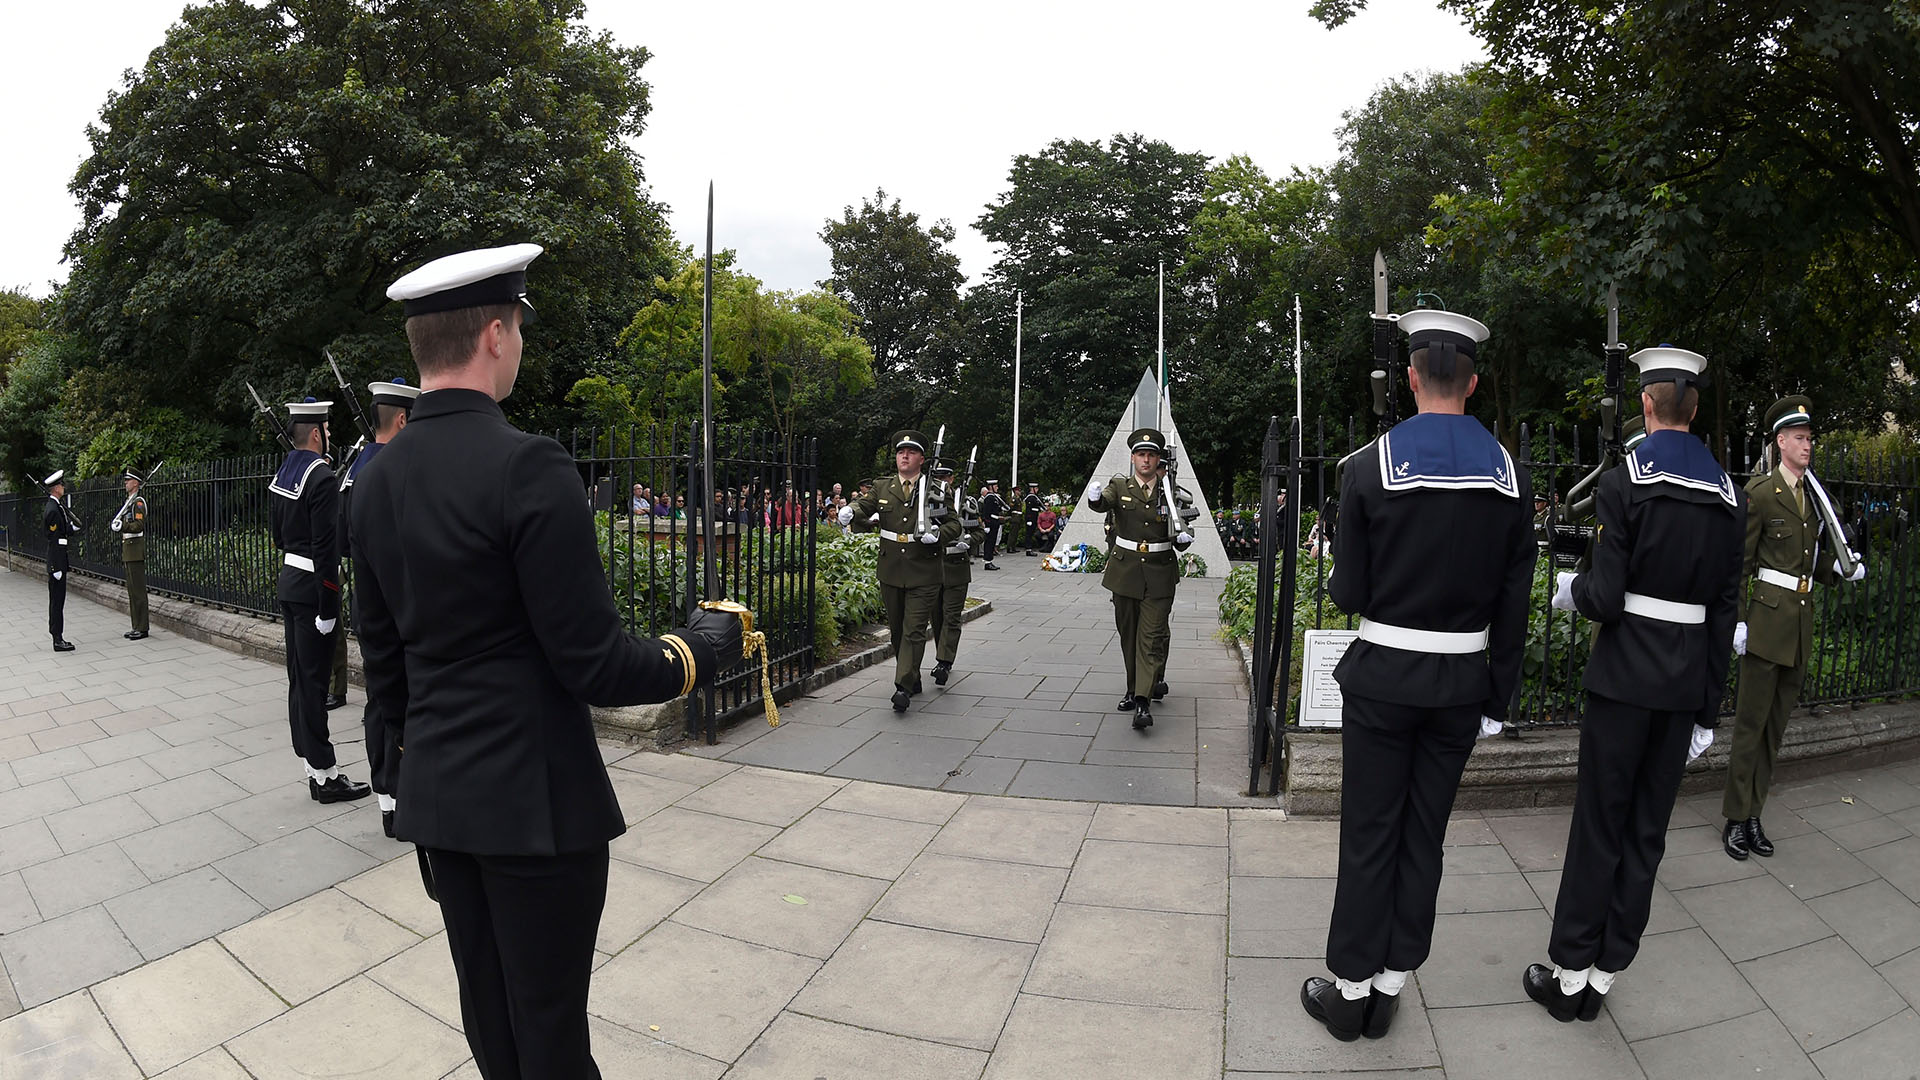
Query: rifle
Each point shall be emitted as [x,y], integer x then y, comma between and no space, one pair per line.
[1180,512]
[1567,540]
[1381,378]
[353,400]
[924,517]
[120,514]
[65,510]
[273,419]
[967,499]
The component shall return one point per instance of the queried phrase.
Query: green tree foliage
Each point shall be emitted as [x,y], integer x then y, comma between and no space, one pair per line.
[255,187]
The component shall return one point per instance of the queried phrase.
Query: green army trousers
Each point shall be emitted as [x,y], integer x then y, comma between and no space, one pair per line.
[909,615]
[137,594]
[1768,692]
[946,622]
[1145,638]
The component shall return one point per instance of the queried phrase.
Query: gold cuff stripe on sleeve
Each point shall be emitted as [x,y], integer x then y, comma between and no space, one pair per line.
[686,661]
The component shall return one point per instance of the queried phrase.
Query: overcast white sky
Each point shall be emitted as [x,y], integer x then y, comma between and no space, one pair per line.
[796,110]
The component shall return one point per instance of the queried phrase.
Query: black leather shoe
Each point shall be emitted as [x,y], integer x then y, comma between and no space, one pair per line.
[990,566]
[334,701]
[916,688]
[136,635]
[1590,1005]
[62,645]
[386,823]
[940,672]
[1325,1003]
[1542,986]
[1126,703]
[1033,553]
[1160,691]
[900,699]
[1757,841]
[1379,1016]
[338,789]
[1142,717]
[1734,840]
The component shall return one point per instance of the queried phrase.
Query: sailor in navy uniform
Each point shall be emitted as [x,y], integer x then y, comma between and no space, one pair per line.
[305,527]
[487,629]
[60,533]
[1663,591]
[392,402]
[1435,551]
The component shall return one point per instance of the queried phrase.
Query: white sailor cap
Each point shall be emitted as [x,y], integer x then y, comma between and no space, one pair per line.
[1665,363]
[58,475]
[308,411]
[1444,334]
[469,279]
[396,392]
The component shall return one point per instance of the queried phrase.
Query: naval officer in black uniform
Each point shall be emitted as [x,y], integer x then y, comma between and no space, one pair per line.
[305,527]
[1663,590]
[61,529]
[1435,551]
[487,628]
[392,401]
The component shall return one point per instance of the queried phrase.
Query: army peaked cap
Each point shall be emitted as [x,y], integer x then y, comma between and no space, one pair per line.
[1790,411]
[1147,438]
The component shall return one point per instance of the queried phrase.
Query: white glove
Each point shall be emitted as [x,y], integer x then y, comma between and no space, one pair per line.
[115,526]
[1563,590]
[1094,488]
[1184,538]
[1859,569]
[874,519]
[1702,738]
[929,537]
[1490,727]
[846,515]
[325,626]
[58,574]
[1740,639]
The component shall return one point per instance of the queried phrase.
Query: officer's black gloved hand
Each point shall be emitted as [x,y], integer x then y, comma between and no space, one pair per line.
[721,631]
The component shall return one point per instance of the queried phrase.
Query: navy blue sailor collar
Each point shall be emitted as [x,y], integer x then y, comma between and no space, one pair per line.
[360,461]
[1445,452]
[1671,456]
[293,474]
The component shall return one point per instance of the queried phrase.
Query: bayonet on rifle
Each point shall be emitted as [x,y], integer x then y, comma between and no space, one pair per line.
[273,418]
[1382,376]
[353,400]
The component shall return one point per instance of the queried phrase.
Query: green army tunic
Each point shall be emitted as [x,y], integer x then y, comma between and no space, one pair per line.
[956,573]
[910,571]
[1783,534]
[1142,571]
[133,556]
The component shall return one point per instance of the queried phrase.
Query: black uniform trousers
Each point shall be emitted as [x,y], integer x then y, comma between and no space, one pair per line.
[309,654]
[57,601]
[1400,768]
[521,929]
[992,544]
[1631,762]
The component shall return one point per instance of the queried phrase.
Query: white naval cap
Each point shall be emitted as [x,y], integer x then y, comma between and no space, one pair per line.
[58,475]
[476,278]
[1444,334]
[308,411]
[396,392]
[1665,363]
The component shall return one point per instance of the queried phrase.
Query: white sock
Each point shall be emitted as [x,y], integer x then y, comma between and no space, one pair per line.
[1601,981]
[386,803]
[1354,991]
[1390,982]
[311,772]
[1571,982]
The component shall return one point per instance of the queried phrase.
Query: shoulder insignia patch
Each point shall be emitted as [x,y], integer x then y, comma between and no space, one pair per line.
[668,653]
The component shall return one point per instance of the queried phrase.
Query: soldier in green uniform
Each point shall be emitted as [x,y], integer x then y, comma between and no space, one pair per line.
[1142,569]
[910,560]
[132,527]
[956,573]
[1788,552]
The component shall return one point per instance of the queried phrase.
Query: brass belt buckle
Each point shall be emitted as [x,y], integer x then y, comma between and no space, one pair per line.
[1805,584]
[1141,546]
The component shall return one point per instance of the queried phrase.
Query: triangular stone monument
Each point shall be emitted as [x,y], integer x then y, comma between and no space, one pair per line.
[1088,526]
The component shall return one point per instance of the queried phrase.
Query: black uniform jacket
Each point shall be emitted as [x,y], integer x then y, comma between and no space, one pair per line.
[487,626]
[60,535]
[1672,542]
[993,509]
[305,522]
[1033,504]
[1434,558]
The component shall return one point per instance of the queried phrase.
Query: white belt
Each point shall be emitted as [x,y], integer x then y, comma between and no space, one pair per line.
[1144,545]
[132,536]
[902,538]
[1426,641]
[299,562]
[1652,607]
[1785,581]
[959,549]
[62,541]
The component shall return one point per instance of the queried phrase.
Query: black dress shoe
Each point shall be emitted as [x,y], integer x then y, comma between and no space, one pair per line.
[990,566]
[62,645]
[386,823]
[1033,553]
[1734,840]
[129,634]
[136,635]
[1160,691]
[338,789]
[1757,841]
[1126,703]
[1590,1005]
[1142,717]
[900,699]
[940,672]
[334,701]
[1325,1003]
[916,688]
[1379,1017]
[1544,987]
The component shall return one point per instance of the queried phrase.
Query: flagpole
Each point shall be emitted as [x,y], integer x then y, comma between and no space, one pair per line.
[1299,412]
[1166,399]
[706,406]
[1015,482]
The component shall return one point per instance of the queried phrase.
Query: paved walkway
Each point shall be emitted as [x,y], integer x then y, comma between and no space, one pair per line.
[1030,710]
[172,905]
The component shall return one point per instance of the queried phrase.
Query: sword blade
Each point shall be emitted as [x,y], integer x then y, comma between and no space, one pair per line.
[1379,285]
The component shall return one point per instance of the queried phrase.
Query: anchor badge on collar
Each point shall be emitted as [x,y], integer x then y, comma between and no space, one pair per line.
[1400,470]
